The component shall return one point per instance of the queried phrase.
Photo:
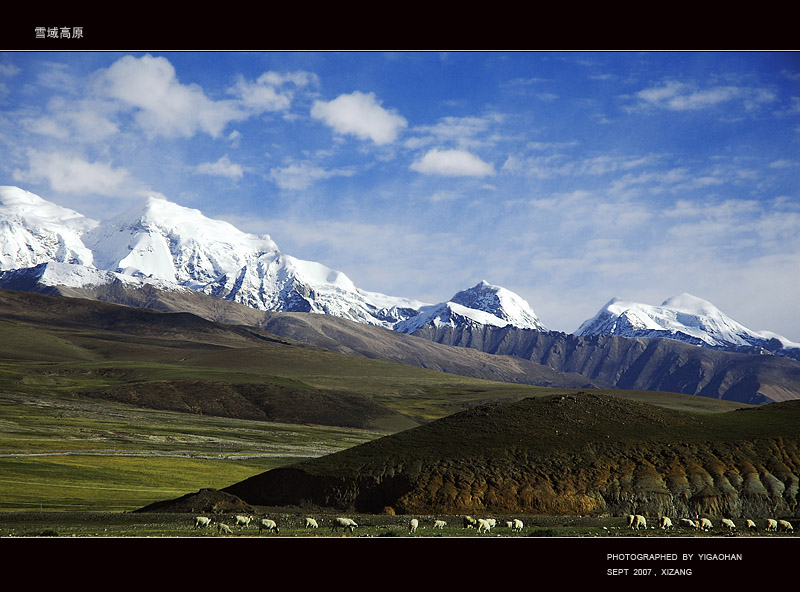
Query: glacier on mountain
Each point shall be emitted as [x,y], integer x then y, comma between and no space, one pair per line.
[684,317]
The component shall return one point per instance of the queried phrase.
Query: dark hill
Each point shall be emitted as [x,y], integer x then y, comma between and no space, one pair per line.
[575,454]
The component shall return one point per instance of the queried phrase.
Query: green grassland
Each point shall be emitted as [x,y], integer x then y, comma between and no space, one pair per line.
[74,439]
[61,454]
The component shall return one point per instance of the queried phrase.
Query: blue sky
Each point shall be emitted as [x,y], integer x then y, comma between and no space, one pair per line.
[569,178]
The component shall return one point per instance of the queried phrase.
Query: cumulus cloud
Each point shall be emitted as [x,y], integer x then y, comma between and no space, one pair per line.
[272,91]
[452,163]
[221,168]
[361,115]
[163,106]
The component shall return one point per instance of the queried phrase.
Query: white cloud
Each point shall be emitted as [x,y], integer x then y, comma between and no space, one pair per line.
[299,176]
[163,106]
[361,115]
[9,70]
[268,92]
[72,174]
[679,96]
[221,168]
[452,163]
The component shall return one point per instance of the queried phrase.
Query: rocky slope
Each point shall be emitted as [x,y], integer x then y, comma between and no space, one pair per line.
[638,363]
[583,454]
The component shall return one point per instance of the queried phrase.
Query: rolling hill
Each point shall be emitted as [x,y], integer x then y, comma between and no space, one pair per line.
[581,454]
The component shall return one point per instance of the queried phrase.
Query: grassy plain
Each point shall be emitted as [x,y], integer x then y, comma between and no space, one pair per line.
[59,454]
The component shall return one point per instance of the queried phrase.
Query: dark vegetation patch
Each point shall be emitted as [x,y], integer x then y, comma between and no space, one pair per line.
[265,401]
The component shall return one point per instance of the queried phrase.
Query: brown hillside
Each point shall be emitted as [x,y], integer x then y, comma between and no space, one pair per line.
[585,454]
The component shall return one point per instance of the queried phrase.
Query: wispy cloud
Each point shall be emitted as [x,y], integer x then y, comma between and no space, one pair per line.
[673,95]
[73,174]
[297,176]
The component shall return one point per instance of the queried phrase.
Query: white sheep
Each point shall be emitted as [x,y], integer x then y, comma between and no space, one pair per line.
[509,524]
[439,524]
[639,521]
[243,520]
[413,524]
[726,523]
[484,525]
[751,525]
[224,528]
[517,525]
[705,524]
[688,523]
[666,523]
[202,522]
[772,524]
[470,522]
[311,523]
[492,522]
[344,523]
[268,525]
[785,525]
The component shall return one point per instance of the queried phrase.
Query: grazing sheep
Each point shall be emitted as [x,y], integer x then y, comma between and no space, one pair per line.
[243,520]
[705,524]
[666,523]
[470,522]
[311,523]
[202,522]
[509,524]
[439,524]
[268,525]
[772,524]
[224,528]
[492,522]
[688,523]
[413,524]
[751,525]
[639,521]
[785,525]
[344,523]
[726,523]
[484,525]
[517,525]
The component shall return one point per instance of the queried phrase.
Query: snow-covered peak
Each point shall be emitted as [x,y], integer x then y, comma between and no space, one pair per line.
[684,317]
[160,239]
[499,302]
[34,230]
[482,304]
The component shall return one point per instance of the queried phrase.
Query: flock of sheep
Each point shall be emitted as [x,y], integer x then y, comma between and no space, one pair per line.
[483,525]
[269,525]
[637,521]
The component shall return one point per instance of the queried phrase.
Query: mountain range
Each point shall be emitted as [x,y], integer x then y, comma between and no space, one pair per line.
[159,248]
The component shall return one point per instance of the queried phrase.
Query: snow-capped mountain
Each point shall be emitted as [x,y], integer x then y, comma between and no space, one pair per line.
[161,243]
[686,318]
[483,304]
[34,231]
